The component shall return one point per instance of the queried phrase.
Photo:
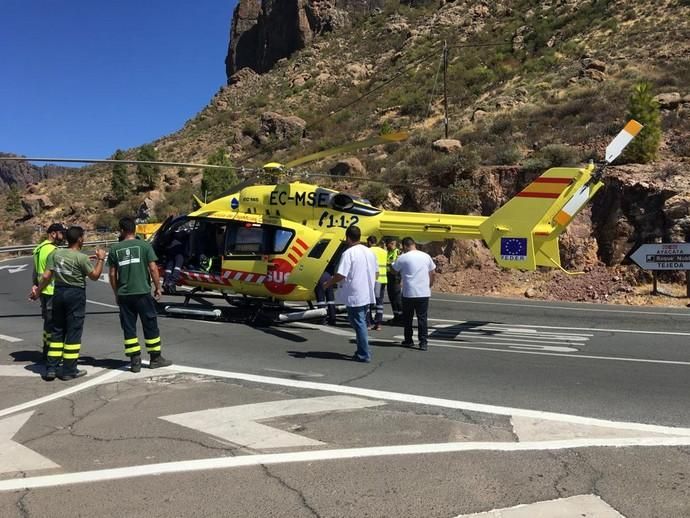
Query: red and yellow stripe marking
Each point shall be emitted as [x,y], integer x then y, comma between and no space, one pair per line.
[545,188]
[297,250]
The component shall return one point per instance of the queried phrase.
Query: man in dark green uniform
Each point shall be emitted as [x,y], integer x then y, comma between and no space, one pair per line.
[70,268]
[132,267]
[56,234]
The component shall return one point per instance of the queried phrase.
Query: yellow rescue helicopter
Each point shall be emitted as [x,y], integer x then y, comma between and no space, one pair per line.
[272,243]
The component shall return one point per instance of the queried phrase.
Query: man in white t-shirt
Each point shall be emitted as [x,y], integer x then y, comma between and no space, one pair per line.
[417,271]
[355,277]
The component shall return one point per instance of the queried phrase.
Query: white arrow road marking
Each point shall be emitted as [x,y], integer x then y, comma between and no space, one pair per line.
[581,506]
[529,429]
[14,268]
[11,339]
[13,456]
[237,424]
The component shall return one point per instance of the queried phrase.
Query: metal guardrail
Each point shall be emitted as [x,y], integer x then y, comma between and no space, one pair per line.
[29,248]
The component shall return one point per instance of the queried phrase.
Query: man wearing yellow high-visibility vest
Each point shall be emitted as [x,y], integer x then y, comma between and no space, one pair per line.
[56,234]
[381,281]
[394,284]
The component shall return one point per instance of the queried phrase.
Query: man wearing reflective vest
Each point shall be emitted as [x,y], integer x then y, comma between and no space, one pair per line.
[394,287]
[381,281]
[56,234]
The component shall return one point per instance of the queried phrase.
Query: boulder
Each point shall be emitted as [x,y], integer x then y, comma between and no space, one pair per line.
[669,101]
[589,63]
[446,145]
[348,167]
[34,204]
[282,127]
[530,293]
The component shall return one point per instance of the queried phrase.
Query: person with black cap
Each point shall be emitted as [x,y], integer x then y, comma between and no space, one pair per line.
[56,234]
[70,268]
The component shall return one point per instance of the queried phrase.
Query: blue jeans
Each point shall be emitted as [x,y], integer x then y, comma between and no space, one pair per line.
[358,319]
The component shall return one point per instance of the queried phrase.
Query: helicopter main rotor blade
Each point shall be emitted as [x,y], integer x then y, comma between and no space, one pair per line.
[374,141]
[126,162]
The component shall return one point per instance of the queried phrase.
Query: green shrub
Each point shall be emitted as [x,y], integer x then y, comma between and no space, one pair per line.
[461,198]
[23,234]
[148,174]
[508,155]
[217,181]
[375,192]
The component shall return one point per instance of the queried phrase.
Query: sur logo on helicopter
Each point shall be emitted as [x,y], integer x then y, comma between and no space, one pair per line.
[272,243]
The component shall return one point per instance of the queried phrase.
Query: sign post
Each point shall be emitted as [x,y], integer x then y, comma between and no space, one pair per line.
[664,256]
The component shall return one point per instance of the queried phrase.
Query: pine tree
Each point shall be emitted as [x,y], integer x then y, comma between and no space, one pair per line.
[119,184]
[216,181]
[14,201]
[148,174]
[643,108]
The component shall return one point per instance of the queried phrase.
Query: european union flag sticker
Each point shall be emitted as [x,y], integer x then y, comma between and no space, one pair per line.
[234,204]
[513,248]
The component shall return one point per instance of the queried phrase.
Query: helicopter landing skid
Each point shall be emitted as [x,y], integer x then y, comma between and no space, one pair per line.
[254,312]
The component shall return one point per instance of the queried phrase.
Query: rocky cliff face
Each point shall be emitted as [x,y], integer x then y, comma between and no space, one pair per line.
[265,31]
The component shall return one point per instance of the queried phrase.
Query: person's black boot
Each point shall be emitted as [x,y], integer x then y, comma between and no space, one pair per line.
[70,371]
[135,363]
[157,361]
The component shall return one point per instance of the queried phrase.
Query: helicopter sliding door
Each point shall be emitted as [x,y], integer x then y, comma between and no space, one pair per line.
[324,255]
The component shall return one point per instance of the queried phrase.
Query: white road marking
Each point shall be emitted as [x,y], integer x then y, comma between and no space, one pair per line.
[16,371]
[101,304]
[96,380]
[564,308]
[511,344]
[296,373]
[11,339]
[326,329]
[321,455]
[14,268]
[581,506]
[14,457]
[502,337]
[454,345]
[237,424]
[568,328]
[528,429]
[599,330]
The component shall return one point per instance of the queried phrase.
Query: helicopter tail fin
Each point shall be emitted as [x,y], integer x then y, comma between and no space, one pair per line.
[524,232]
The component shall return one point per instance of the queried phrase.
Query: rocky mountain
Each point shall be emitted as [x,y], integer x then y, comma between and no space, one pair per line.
[265,31]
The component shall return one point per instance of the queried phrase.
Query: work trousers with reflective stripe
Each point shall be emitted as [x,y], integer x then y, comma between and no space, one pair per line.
[47,315]
[69,311]
[143,307]
[379,292]
[326,298]
[395,295]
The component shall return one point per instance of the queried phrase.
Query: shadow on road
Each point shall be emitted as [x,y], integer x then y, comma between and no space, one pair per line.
[35,361]
[322,355]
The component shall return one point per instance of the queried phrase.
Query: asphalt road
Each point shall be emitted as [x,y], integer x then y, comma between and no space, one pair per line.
[509,387]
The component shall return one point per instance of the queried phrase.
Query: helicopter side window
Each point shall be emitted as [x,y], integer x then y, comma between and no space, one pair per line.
[281,240]
[319,248]
[254,239]
[249,240]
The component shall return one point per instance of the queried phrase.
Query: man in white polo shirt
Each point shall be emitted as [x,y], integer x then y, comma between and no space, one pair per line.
[417,271]
[355,277]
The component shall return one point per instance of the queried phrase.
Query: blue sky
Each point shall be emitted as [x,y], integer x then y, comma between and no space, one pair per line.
[83,78]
